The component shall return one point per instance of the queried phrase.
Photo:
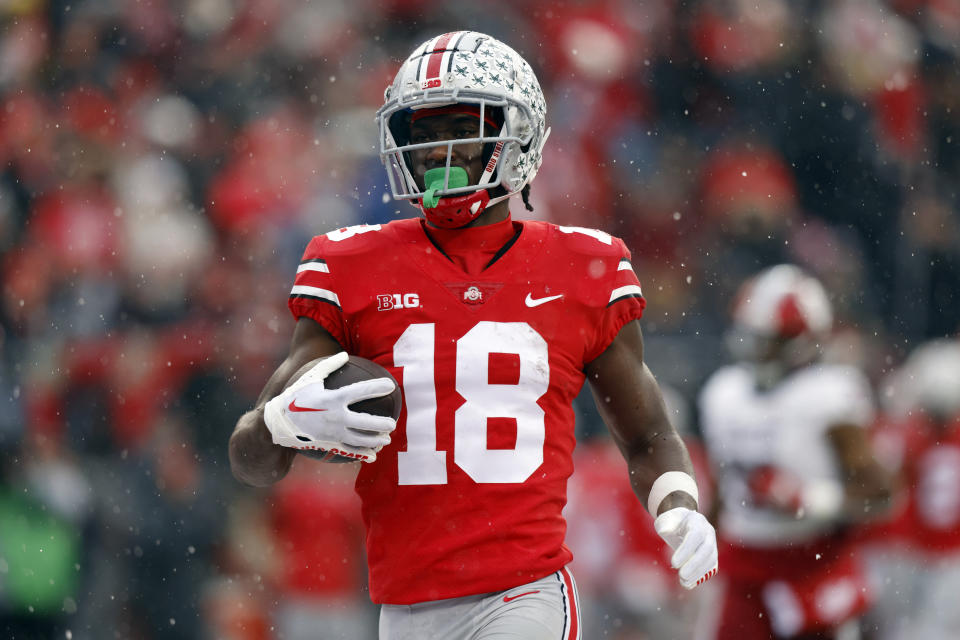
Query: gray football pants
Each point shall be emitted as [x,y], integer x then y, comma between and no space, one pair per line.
[546,609]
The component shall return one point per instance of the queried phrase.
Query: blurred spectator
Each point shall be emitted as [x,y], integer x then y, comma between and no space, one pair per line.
[320,570]
[43,514]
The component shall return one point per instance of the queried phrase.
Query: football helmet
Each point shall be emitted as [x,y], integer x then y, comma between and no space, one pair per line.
[781,317]
[470,70]
[929,381]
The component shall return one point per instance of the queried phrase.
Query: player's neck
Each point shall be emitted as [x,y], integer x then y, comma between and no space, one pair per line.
[473,247]
[492,215]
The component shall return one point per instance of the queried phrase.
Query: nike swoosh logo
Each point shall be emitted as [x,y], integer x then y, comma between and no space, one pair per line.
[520,595]
[536,302]
[293,407]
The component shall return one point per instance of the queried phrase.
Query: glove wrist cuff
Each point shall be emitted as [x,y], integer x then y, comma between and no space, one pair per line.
[273,418]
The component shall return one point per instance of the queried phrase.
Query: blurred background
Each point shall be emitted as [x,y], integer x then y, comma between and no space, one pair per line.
[163,165]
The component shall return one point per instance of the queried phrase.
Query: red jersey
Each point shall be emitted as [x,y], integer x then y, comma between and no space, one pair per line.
[467,498]
[930,520]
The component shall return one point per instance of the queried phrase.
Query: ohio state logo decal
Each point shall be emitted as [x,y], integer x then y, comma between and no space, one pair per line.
[473,295]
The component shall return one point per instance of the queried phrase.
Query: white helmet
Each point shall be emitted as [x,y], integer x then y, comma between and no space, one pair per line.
[465,67]
[929,381]
[781,317]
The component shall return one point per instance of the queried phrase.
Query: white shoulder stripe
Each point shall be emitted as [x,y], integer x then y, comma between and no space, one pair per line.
[629,290]
[624,266]
[313,266]
[316,292]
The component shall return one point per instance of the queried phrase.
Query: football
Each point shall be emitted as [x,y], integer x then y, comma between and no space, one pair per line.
[355,370]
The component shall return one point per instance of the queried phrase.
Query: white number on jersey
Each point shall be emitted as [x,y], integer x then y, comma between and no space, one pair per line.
[422,463]
[348,232]
[938,488]
[602,236]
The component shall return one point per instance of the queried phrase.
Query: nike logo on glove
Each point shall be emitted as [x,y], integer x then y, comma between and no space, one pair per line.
[520,595]
[294,408]
[536,302]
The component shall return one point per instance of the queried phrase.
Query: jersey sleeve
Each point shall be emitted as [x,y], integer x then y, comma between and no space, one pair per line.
[624,303]
[844,396]
[314,293]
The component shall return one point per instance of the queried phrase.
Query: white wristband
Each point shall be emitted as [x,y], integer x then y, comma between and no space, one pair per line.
[666,484]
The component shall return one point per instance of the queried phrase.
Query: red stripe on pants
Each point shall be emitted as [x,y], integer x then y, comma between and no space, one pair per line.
[572,597]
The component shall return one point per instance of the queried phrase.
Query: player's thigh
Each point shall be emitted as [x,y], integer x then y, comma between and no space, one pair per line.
[547,609]
[938,615]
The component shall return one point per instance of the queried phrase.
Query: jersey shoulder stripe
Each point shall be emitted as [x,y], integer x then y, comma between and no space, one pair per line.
[331,259]
[314,293]
[626,291]
[314,264]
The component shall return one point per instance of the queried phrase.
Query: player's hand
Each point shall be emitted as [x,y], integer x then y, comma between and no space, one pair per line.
[308,416]
[820,498]
[694,544]
[776,488]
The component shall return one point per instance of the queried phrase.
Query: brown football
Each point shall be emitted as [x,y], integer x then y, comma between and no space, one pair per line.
[355,370]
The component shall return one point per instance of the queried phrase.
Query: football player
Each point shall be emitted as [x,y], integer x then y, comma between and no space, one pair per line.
[491,326]
[916,557]
[786,435]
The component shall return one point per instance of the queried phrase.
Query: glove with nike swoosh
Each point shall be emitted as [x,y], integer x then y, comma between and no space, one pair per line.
[694,544]
[307,415]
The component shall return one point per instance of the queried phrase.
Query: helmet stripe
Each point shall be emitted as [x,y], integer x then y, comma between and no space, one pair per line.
[452,49]
[436,57]
[424,55]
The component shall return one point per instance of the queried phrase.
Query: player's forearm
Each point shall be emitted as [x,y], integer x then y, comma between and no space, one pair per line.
[254,459]
[631,404]
[638,422]
[646,462]
[867,486]
[868,494]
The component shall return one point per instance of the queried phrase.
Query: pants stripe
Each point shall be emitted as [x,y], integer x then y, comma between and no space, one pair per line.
[571,601]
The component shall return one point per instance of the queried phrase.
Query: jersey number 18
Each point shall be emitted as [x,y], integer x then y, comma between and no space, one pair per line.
[422,463]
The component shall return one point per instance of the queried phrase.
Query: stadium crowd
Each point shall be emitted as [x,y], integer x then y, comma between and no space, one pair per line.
[163,164]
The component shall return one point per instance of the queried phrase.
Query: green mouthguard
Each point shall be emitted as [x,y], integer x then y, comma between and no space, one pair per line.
[434,181]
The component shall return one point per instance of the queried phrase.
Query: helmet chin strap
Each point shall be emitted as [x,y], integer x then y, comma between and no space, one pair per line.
[457,211]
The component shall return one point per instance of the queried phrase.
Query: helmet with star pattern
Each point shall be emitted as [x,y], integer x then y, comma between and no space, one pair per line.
[476,70]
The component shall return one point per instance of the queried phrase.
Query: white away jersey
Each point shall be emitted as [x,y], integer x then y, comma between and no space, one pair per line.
[746,428]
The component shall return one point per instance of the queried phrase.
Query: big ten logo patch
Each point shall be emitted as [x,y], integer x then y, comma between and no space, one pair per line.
[398,301]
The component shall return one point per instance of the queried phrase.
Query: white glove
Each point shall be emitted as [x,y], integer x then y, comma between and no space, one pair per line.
[694,544]
[308,416]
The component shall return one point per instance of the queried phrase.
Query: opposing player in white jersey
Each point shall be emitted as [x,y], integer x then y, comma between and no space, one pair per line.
[491,327]
[786,437]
